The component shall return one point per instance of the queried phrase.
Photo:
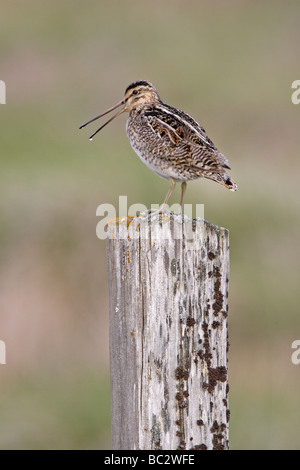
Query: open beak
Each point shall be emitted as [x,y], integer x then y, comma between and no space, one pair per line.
[103,114]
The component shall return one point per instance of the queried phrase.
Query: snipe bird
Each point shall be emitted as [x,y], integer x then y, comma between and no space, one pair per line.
[169,141]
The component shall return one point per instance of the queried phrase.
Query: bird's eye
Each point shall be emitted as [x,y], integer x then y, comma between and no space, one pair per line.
[135,92]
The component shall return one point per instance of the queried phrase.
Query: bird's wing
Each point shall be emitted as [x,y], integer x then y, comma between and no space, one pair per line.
[188,139]
[166,126]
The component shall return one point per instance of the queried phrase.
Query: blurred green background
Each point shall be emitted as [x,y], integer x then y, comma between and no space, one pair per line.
[230,64]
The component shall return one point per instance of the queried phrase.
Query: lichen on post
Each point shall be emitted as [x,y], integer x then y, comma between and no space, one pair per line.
[168,284]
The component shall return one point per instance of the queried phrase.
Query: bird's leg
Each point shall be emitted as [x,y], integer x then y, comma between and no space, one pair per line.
[183,190]
[171,189]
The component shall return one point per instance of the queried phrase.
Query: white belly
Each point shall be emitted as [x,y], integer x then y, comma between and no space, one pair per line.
[157,165]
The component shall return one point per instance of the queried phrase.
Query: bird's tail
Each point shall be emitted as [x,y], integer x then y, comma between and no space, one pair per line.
[227,181]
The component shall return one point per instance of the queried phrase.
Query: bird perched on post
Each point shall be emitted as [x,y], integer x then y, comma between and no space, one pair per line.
[169,141]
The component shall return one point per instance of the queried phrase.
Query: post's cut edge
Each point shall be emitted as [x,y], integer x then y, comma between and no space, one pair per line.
[121,223]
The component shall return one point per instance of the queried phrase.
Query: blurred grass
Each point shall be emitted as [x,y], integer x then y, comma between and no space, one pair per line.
[56,412]
[230,65]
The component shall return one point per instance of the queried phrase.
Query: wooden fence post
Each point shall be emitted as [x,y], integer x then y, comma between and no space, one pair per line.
[168,284]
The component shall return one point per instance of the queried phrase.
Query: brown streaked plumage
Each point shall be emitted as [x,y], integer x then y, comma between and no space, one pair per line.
[169,141]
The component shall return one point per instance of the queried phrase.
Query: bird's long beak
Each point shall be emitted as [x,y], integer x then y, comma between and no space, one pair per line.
[103,114]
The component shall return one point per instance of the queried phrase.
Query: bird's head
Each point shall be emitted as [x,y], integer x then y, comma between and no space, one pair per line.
[137,94]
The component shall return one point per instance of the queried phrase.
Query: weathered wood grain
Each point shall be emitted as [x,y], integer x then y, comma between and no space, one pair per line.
[168,284]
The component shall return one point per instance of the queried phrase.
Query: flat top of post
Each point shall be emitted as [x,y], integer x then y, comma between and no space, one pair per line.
[131,223]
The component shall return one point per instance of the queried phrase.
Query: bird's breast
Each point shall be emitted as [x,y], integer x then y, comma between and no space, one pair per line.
[150,149]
